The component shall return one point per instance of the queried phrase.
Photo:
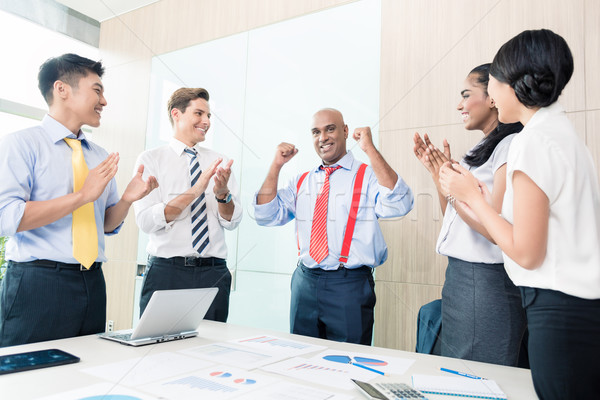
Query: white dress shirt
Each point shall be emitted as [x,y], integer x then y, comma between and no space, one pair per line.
[170,165]
[549,152]
[457,239]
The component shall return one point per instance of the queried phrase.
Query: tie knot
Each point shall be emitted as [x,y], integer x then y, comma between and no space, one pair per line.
[191,151]
[75,144]
[329,170]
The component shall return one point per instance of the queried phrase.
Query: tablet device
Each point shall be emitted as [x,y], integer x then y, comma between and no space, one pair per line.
[35,359]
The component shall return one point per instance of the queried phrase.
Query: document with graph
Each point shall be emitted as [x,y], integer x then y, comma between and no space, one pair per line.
[218,382]
[377,364]
[234,354]
[277,346]
[321,371]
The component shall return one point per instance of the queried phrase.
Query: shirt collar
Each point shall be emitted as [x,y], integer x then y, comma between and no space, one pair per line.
[178,146]
[57,131]
[345,162]
[544,112]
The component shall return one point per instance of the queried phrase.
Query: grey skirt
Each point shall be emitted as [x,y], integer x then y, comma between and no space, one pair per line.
[482,316]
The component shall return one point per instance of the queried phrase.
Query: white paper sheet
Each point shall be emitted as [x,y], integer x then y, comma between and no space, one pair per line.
[277,346]
[385,364]
[321,371]
[232,354]
[217,382]
[101,391]
[292,391]
[140,370]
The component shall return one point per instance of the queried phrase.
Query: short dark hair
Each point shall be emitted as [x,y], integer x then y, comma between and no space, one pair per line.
[68,68]
[537,64]
[483,151]
[180,99]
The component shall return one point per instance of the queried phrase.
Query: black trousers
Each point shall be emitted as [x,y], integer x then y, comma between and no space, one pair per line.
[189,273]
[46,300]
[564,344]
[336,305]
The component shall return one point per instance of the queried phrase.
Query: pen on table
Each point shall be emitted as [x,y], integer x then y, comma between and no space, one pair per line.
[369,369]
[461,373]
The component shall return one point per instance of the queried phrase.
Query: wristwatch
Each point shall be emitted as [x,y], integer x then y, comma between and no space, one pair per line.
[226,200]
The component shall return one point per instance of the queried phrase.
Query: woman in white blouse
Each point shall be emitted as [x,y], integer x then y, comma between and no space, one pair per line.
[482,317]
[549,230]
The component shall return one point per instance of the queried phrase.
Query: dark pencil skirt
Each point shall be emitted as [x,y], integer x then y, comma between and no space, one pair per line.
[482,316]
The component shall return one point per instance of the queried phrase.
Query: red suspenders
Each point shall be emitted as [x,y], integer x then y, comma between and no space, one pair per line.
[358,182]
[298,191]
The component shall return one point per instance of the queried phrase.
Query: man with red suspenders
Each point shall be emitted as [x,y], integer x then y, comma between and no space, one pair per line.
[336,206]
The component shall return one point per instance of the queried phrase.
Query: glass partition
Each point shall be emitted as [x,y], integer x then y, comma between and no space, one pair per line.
[265,85]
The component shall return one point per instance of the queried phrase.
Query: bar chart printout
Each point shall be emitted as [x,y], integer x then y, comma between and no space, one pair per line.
[321,371]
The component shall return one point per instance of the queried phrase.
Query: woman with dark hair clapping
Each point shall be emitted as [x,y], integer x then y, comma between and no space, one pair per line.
[482,317]
[549,230]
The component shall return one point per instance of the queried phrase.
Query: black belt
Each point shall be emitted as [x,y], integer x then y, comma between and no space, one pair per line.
[191,261]
[56,264]
[341,267]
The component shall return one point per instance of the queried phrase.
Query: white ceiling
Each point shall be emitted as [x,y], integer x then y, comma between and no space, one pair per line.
[101,10]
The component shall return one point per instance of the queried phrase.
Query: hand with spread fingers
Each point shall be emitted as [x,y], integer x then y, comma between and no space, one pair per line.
[138,188]
[430,156]
[221,178]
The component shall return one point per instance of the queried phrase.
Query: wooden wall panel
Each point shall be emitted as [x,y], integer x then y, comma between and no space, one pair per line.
[592,122]
[397,308]
[119,288]
[592,56]
[427,44]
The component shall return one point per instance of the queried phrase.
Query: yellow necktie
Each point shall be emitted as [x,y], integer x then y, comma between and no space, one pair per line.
[85,236]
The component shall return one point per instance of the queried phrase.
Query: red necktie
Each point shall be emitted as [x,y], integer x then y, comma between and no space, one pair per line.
[318,235]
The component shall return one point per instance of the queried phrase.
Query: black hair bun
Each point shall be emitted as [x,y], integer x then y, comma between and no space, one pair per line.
[537,90]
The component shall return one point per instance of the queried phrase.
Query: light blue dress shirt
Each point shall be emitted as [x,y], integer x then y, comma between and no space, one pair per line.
[368,246]
[35,165]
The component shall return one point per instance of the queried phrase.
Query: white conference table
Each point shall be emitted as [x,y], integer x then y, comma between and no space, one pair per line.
[93,351]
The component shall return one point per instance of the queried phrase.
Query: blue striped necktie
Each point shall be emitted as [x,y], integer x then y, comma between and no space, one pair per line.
[198,210]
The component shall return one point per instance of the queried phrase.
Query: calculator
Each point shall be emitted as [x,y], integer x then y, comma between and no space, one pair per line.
[389,391]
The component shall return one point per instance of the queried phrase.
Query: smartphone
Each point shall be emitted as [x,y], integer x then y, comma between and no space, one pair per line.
[35,359]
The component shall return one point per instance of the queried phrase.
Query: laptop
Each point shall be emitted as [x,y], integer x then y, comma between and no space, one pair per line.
[170,315]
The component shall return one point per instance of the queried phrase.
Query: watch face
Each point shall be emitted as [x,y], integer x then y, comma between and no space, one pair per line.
[227,198]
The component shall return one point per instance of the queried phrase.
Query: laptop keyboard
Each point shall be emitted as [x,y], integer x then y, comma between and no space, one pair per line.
[121,336]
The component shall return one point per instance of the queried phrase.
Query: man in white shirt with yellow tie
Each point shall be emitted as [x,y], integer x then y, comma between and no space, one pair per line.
[185,219]
[58,199]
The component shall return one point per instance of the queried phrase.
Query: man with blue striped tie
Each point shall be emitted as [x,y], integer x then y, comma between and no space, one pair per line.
[186,218]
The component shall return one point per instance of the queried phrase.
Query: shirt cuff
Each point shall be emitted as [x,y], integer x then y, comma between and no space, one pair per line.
[265,213]
[158,217]
[11,218]
[400,189]
[236,218]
